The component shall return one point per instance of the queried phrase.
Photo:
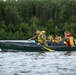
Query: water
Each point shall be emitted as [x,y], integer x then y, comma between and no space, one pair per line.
[33,63]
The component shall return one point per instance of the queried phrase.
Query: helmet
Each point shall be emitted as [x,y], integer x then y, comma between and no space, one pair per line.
[43,32]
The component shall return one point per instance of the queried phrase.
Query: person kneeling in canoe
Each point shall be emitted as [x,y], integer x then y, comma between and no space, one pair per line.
[57,39]
[50,38]
[69,41]
[41,38]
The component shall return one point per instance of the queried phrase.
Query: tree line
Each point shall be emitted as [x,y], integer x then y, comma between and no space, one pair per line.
[20,18]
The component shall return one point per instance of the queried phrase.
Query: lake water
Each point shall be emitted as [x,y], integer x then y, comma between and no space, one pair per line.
[34,63]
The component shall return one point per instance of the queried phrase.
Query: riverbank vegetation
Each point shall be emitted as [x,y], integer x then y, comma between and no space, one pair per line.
[19,19]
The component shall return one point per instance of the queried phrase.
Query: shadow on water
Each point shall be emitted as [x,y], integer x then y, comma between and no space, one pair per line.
[36,63]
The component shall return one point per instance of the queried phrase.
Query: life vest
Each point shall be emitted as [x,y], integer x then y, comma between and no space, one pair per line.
[39,38]
[70,42]
[57,39]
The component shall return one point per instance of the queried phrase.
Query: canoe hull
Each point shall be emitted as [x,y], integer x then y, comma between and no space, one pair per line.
[20,46]
[32,47]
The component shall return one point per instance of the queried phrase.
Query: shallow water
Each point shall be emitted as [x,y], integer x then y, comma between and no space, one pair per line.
[34,63]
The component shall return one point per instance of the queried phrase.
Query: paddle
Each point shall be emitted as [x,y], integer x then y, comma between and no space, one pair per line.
[48,49]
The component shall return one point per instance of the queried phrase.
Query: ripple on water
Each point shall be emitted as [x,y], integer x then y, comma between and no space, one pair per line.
[34,63]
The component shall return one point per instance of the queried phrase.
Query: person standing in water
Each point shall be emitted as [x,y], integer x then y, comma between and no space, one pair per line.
[40,37]
[69,41]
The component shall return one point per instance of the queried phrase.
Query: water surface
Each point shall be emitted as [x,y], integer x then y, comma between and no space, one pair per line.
[34,63]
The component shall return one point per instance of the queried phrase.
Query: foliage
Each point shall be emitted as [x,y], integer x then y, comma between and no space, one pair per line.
[20,18]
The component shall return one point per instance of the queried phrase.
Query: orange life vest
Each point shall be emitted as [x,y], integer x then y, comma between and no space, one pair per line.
[70,42]
[57,39]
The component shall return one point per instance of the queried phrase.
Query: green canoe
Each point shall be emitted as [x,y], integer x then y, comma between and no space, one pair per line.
[32,46]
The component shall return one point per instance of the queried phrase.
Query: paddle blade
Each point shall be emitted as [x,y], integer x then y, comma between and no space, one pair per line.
[48,49]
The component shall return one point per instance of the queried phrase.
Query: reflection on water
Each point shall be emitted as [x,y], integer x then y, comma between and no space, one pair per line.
[34,63]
